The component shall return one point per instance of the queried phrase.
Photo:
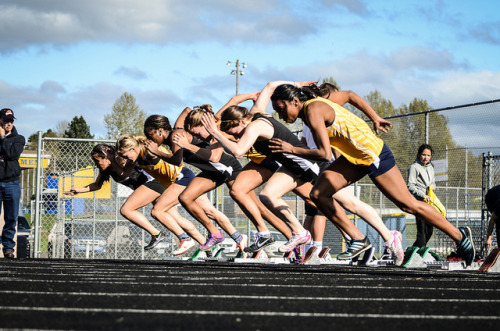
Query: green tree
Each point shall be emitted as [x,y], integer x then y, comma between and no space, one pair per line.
[33,139]
[331,81]
[125,118]
[78,128]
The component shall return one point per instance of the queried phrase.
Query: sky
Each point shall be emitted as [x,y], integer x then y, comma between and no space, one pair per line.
[60,59]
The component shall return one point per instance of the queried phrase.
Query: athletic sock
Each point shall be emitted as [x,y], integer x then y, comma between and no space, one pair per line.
[183,236]
[318,244]
[265,234]
[236,237]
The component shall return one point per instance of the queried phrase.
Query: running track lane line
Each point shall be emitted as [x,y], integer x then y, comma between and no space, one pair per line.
[249,313]
[250,297]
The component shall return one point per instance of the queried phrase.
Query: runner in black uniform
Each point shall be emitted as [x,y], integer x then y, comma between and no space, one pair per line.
[216,168]
[295,172]
[146,188]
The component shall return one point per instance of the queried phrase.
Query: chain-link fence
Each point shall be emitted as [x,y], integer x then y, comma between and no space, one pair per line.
[90,225]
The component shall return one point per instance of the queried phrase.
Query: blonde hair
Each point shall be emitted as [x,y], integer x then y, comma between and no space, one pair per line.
[127,142]
[194,117]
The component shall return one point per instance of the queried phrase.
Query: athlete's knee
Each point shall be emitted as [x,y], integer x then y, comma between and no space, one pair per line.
[236,194]
[124,211]
[410,206]
[315,196]
[155,212]
[185,198]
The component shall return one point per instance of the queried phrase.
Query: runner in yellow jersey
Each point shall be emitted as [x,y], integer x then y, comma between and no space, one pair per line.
[173,179]
[362,154]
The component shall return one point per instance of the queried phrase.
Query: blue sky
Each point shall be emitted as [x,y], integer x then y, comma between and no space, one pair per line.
[60,59]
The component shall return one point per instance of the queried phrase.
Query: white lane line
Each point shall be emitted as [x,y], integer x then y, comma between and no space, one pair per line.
[249,313]
[191,276]
[249,297]
[223,269]
[100,281]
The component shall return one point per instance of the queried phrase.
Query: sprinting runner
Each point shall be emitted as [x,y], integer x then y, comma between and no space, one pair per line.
[146,189]
[363,153]
[174,179]
[296,172]
[256,172]
[216,168]
[393,239]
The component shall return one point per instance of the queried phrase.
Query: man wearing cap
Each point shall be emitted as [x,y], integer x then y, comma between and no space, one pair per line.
[11,147]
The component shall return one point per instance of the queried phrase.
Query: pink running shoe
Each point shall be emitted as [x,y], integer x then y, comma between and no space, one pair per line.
[395,245]
[295,240]
[212,240]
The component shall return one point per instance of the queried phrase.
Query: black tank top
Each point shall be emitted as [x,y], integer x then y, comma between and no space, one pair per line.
[227,165]
[305,169]
[136,178]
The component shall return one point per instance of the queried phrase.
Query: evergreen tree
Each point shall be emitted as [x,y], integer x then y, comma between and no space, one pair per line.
[125,118]
[78,128]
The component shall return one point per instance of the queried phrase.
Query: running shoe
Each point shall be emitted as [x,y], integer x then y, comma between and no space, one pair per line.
[395,246]
[155,240]
[295,240]
[212,240]
[184,246]
[260,242]
[465,247]
[299,252]
[357,247]
[242,254]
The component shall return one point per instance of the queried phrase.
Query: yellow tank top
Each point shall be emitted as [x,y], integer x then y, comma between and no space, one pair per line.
[162,171]
[351,136]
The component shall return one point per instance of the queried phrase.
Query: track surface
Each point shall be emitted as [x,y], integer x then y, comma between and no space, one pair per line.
[181,295]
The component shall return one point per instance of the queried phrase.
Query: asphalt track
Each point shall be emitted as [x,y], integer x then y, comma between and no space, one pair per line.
[181,295]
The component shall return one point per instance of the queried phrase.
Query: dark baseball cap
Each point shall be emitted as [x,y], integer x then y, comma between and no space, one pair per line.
[7,114]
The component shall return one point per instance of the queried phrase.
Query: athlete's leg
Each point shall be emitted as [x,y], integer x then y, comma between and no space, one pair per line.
[141,197]
[186,225]
[188,199]
[197,187]
[338,175]
[392,184]
[166,212]
[242,191]
[351,203]
[280,183]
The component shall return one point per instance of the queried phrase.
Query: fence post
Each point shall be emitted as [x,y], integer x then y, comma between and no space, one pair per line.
[427,127]
[38,192]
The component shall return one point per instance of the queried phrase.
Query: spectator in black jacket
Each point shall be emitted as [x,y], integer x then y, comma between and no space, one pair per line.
[11,147]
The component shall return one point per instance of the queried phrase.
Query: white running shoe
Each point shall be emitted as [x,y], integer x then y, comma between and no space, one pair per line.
[241,247]
[395,245]
[184,246]
[295,240]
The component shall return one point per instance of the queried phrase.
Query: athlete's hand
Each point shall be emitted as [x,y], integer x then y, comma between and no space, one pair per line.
[280,146]
[487,244]
[382,124]
[180,139]
[306,83]
[254,95]
[152,147]
[71,192]
[209,123]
